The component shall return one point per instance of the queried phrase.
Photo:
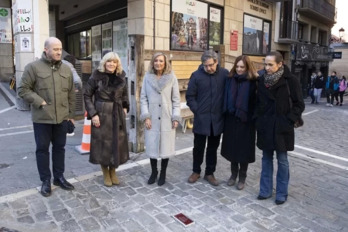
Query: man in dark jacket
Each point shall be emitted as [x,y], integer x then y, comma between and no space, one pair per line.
[47,85]
[279,106]
[204,96]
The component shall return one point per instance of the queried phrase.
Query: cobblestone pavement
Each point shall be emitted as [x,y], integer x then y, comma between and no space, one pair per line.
[318,192]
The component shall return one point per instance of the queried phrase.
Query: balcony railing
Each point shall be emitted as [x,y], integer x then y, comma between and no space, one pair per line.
[288,31]
[319,9]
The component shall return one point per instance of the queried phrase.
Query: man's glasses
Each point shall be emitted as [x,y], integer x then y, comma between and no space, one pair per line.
[209,65]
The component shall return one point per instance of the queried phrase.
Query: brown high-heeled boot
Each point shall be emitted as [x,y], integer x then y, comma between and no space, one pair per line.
[114,178]
[106,174]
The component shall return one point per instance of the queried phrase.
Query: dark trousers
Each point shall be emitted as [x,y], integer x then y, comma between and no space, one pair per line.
[341,96]
[330,96]
[239,169]
[211,153]
[44,135]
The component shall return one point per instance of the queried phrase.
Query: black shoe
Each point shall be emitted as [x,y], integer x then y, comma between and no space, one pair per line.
[63,183]
[46,188]
[340,104]
[337,103]
[259,197]
[162,178]
[278,202]
[153,177]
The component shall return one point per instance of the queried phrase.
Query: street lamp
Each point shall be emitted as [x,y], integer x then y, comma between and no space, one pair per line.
[341,33]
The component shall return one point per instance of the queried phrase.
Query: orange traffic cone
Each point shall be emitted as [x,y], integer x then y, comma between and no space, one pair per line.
[86,137]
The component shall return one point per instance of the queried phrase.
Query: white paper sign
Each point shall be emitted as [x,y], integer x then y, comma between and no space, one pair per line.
[25,43]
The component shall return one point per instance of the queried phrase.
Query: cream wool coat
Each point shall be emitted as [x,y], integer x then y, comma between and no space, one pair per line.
[160,101]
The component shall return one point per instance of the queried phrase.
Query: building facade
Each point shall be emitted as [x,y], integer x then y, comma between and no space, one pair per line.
[182,29]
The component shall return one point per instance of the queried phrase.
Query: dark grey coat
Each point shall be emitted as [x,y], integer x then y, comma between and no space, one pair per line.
[274,117]
[109,142]
[204,96]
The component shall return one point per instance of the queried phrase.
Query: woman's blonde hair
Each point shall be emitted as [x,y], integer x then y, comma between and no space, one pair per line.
[110,56]
[167,66]
[249,67]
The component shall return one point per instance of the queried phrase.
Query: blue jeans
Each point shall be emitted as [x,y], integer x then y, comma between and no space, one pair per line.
[44,135]
[283,175]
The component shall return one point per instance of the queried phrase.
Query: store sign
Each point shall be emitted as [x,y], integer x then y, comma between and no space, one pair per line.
[309,52]
[337,55]
[5,25]
[259,6]
[22,16]
[234,41]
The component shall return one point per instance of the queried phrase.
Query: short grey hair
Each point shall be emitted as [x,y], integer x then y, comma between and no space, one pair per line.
[209,54]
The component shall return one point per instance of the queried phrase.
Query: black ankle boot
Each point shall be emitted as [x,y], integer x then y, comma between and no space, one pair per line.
[162,178]
[154,172]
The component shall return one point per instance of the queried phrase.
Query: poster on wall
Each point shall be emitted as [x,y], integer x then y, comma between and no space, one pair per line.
[256,36]
[22,16]
[189,25]
[96,46]
[106,38]
[214,26]
[120,41]
[5,25]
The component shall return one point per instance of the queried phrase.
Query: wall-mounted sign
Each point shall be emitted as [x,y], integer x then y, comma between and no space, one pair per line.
[25,43]
[337,55]
[22,16]
[5,25]
[214,26]
[234,40]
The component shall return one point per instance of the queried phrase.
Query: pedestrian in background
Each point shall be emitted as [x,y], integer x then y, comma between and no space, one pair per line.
[239,134]
[342,89]
[47,85]
[279,106]
[160,111]
[319,84]
[107,104]
[204,97]
[70,60]
[331,89]
[311,87]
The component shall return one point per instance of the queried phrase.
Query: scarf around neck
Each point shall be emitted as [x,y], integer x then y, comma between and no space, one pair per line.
[272,79]
[237,96]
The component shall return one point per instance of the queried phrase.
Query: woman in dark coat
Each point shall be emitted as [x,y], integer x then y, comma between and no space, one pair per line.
[106,100]
[279,107]
[238,142]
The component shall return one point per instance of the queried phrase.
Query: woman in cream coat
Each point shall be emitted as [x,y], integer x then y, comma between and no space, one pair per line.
[160,111]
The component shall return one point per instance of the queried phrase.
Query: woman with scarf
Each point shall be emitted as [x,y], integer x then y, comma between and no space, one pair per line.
[238,142]
[107,104]
[160,111]
[279,106]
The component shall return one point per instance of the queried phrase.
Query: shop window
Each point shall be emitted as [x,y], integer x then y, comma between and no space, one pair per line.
[79,45]
[256,36]
[195,25]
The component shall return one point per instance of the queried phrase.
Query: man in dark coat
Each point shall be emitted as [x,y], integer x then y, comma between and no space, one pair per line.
[204,96]
[279,107]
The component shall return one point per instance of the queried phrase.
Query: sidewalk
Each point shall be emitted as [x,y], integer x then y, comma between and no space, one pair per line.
[313,204]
